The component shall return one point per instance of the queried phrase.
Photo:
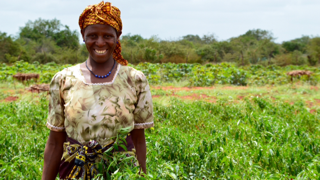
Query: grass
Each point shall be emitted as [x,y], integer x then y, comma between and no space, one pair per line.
[253,137]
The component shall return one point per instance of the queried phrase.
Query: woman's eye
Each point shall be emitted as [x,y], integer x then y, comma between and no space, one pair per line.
[92,36]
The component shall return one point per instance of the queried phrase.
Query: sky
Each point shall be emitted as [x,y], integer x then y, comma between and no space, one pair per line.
[172,19]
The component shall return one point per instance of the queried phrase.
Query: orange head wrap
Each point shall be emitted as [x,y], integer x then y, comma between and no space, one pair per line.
[104,13]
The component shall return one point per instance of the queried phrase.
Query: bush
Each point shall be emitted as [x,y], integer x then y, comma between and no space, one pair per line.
[282,59]
[70,56]
[297,58]
[312,60]
[44,58]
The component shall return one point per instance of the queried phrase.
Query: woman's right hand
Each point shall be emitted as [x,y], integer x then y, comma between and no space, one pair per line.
[52,155]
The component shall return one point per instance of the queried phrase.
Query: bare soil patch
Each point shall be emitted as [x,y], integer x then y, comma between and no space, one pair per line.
[11,98]
[198,88]
[314,88]
[181,88]
[39,88]
[240,97]
[313,111]
[204,97]
[235,87]
[193,97]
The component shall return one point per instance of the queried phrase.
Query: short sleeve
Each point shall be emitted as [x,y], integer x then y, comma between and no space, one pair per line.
[55,120]
[143,113]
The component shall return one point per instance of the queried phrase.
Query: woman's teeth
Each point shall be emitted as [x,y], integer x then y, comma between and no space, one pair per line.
[100,52]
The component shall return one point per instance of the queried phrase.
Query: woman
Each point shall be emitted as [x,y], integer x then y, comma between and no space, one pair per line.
[90,102]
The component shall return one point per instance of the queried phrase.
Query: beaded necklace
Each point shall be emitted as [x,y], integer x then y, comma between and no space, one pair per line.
[97,76]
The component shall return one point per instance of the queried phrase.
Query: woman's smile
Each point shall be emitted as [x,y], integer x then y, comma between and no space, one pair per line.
[101,52]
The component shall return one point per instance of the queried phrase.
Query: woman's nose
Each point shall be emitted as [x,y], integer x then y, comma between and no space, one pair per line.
[100,41]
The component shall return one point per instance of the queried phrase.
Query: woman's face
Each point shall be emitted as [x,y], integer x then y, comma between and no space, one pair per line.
[101,40]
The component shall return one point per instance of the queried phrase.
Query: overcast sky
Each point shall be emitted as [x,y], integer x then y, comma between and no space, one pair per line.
[172,19]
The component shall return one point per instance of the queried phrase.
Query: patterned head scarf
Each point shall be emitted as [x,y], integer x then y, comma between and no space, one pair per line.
[104,13]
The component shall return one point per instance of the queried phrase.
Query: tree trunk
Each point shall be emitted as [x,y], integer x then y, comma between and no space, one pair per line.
[131,56]
[187,57]
[242,59]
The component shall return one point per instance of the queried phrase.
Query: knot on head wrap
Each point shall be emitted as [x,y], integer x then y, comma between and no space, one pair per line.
[104,13]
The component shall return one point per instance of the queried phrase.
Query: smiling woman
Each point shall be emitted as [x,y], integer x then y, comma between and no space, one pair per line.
[92,101]
[101,41]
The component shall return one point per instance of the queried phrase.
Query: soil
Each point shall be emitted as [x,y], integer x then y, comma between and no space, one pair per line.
[39,88]
[198,88]
[240,97]
[182,88]
[213,99]
[313,111]
[235,87]
[11,98]
[314,88]
[192,97]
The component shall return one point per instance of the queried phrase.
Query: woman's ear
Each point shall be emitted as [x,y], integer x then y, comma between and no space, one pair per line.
[82,34]
[119,34]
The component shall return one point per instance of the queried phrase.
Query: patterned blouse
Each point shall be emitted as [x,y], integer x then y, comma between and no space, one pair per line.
[98,110]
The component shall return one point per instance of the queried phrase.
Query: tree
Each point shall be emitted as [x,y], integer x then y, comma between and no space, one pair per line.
[254,46]
[298,44]
[268,49]
[313,50]
[258,34]
[9,49]
[50,29]
[241,45]
[131,41]
[215,52]
[208,39]
[67,38]
[192,38]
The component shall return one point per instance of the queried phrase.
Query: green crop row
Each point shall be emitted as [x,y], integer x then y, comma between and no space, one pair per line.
[193,74]
[255,139]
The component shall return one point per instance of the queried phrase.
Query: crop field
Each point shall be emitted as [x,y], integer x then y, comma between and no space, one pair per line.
[190,75]
[211,122]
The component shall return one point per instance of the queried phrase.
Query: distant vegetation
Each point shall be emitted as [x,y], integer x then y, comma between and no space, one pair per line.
[191,75]
[50,41]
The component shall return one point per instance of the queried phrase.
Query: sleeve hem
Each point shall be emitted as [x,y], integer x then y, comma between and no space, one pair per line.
[55,128]
[143,125]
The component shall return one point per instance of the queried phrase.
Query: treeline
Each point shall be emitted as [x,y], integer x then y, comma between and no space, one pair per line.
[50,41]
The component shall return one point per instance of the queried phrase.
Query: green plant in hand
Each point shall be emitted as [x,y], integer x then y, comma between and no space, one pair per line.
[113,161]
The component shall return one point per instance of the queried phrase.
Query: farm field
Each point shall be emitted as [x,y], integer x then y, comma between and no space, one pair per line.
[221,131]
[188,75]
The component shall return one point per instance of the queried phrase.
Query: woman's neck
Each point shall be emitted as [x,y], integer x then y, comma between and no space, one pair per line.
[98,67]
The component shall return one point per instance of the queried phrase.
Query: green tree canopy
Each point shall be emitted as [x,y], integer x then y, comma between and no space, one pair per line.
[258,34]
[50,29]
[298,44]
[8,47]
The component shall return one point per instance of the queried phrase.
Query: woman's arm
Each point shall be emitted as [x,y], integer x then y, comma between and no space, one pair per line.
[139,142]
[52,155]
